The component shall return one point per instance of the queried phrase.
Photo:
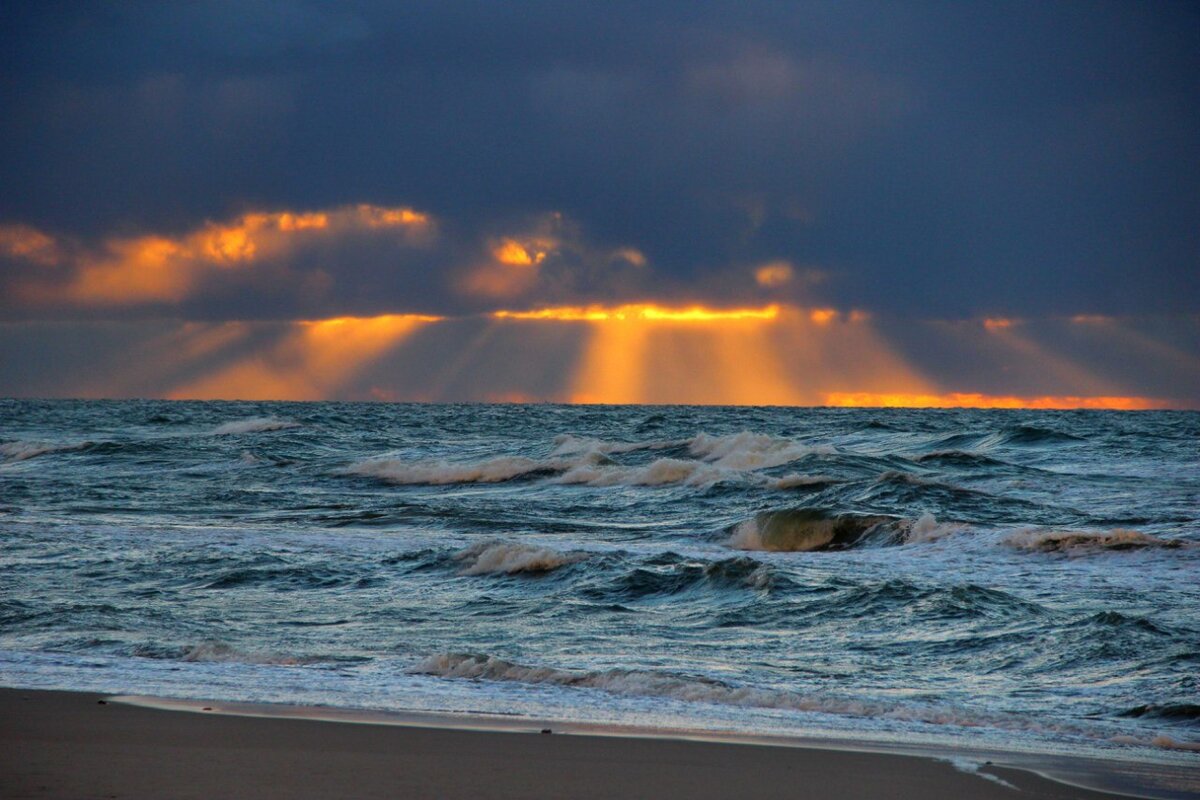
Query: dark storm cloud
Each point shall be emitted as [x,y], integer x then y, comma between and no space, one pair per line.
[928,159]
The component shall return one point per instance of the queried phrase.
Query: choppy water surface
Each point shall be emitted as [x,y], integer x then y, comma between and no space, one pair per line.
[1025,578]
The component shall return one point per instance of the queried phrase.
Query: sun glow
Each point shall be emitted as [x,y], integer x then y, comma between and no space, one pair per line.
[641,311]
[311,362]
[974,400]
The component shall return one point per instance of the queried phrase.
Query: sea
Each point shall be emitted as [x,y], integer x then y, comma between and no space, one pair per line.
[1006,579]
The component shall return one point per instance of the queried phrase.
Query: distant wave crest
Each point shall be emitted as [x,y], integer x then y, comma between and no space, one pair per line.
[253,425]
[497,556]
[578,460]
[1088,542]
[813,529]
[492,470]
[21,451]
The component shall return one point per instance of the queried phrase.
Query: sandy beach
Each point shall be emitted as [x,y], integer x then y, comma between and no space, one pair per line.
[76,745]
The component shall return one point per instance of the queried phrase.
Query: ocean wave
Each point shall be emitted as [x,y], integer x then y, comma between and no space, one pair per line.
[747,451]
[660,472]
[1034,435]
[1185,713]
[672,574]
[806,529]
[492,470]
[220,653]
[965,459]
[568,444]
[22,451]
[253,425]
[815,529]
[795,480]
[578,460]
[497,556]
[693,689]
[1089,542]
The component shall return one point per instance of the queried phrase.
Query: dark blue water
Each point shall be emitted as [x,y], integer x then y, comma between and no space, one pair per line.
[1026,578]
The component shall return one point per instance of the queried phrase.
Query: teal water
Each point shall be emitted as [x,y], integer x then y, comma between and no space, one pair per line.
[1027,579]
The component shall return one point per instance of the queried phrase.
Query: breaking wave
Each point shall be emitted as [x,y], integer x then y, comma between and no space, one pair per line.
[253,425]
[751,451]
[796,481]
[815,529]
[500,557]
[692,689]
[577,460]
[1086,542]
[220,653]
[660,472]
[493,470]
[21,451]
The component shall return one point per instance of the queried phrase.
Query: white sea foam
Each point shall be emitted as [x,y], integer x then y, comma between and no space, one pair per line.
[493,470]
[1088,542]
[926,528]
[20,451]
[253,425]
[218,652]
[579,460]
[498,556]
[747,451]
[659,472]
[974,768]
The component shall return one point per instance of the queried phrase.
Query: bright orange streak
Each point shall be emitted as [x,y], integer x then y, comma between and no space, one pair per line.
[822,316]
[312,361]
[998,323]
[514,254]
[971,400]
[643,312]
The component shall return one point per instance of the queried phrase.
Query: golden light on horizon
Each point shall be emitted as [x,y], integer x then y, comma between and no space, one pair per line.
[640,311]
[976,400]
[311,362]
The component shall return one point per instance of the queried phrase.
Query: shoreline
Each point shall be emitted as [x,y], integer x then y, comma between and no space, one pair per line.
[70,744]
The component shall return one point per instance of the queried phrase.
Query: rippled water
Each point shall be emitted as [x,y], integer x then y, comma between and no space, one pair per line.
[1027,578]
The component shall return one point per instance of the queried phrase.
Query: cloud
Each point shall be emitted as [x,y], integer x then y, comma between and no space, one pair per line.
[123,272]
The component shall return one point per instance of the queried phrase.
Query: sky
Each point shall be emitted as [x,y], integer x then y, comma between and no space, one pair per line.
[849,203]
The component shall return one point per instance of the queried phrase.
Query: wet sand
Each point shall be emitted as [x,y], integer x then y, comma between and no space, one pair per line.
[81,745]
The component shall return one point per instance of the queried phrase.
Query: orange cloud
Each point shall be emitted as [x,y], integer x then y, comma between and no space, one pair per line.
[515,254]
[29,244]
[772,275]
[128,271]
[312,362]
[999,323]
